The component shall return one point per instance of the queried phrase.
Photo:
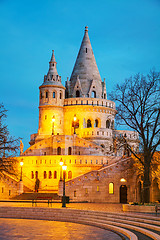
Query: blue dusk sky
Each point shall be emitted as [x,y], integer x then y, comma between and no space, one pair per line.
[125,37]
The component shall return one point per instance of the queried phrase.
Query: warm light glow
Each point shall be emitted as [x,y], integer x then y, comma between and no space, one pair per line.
[61,162]
[123,180]
[75,118]
[53,119]
[21,163]
[64,167]
[111,188]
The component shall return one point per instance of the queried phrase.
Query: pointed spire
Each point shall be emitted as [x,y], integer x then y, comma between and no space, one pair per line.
[52,76]
[85,66]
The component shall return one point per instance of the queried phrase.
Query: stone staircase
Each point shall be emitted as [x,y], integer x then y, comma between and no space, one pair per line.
[35,195]
[132,226]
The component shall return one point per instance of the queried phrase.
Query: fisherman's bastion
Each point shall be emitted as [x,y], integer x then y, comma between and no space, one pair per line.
[77,128]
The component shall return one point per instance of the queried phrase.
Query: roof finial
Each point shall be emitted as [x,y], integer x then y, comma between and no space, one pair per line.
[86,29]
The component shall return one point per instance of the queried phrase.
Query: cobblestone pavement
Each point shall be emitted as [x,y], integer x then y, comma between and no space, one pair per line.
[15,229]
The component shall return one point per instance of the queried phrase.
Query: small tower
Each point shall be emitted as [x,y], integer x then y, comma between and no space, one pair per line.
[51,101]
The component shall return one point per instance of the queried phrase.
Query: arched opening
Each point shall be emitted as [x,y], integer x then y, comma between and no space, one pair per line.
[54,94]
[36,174]
[69,175]
[60,95]
[93,95]
[50,175]
[44,175]
[69,151]
[89,124]
[111,188]
[96,123]
[59,151]
[123,194]
[77,93]
[55,174]
[46,94]
[107,124]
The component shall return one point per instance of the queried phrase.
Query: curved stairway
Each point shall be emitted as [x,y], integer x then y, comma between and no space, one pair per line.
[133,226]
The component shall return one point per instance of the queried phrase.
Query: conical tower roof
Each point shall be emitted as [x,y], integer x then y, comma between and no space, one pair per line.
[85,68]
[52,77]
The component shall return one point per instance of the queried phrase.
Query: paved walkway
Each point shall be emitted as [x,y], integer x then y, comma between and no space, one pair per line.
[17,229]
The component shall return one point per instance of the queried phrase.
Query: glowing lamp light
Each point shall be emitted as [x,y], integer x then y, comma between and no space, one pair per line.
[21,163]
[123,180]
[75,118]
[61,162]
[53,119]
[64,167]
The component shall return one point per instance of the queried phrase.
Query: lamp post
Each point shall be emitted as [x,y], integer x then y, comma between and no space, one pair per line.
[53,120]
[75,119]
[61,164]
[21,164]
[64,167]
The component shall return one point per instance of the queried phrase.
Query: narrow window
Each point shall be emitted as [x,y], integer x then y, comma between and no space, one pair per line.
[69,151]
[107,124]
[54,94]
[44,175]
[45,117]
[111,188]
[86,190]
[59,151]
[50,175]
[60,95]
[46,94]
[9,192]
[86,50]
[97,188]
[93,95]
[74,193]
[2,190]
[104,96]
[55,174]
[96,123]
[89,125]
[77,93]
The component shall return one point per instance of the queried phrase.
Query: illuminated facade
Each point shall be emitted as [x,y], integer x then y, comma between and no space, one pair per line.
[76,124]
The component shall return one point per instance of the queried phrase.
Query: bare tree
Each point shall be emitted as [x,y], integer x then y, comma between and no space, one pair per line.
[8,146]
[138,108]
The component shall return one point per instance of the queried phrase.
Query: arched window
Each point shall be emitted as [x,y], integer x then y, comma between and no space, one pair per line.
[77,93]
[69,175]
[96,123]
[104,96]
[93,95]
[32,175]
[111,188]
[46,94]
[89,124]
[60,95]
[44,175]
[107,124]
[50,175]
[36,174]
[55,174]
[59,151]
[41,95]
[54,94]
[69,151]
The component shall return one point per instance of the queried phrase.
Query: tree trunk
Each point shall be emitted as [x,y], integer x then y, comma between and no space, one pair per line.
[146,184]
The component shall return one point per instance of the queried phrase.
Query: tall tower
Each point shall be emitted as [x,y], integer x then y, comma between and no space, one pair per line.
[51,101]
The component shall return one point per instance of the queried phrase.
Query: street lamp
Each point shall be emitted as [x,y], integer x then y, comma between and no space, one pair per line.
[53,120]
[75,119]
[21,164]
[64,167]
[61,164]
